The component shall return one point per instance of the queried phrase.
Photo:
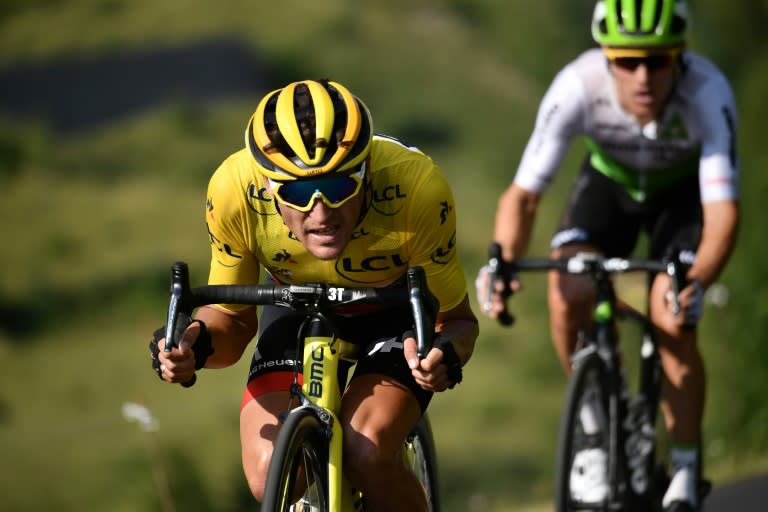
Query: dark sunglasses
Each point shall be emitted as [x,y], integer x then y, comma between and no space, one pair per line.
[332,190]
[651,62]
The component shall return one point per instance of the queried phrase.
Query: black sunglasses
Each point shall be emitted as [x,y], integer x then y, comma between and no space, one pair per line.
[651,62]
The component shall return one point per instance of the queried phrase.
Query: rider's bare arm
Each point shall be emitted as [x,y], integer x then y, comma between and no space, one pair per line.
[718,236]
[230,331]
[514,220]
[459,325]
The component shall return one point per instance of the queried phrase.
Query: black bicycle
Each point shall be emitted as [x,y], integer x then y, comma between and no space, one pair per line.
[305,473]
[602,417]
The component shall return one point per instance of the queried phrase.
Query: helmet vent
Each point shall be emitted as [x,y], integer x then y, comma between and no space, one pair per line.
[305,118]
[635,25]
[603,26]
[656,26]
[678,25]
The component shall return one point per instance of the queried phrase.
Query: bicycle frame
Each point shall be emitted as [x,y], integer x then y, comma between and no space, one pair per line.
[321,349]
[604,340]
[321,389]
[630,462]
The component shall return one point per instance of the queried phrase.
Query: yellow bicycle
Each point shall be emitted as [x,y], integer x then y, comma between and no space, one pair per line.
[305,472]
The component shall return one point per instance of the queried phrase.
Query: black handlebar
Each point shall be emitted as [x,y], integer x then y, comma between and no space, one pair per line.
[317,297]
[586,264]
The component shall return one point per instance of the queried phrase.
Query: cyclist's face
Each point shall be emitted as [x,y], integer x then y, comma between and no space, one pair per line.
[643,85]
[323,230]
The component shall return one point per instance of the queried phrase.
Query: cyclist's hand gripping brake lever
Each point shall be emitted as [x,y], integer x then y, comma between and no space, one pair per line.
[676,279]
[499,273]
[179,310]
[424,306]
[676,272]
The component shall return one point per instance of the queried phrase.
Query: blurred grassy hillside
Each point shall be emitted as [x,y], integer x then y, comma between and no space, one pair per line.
[113,114]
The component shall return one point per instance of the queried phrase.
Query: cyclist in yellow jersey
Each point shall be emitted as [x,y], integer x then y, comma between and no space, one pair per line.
[316,197]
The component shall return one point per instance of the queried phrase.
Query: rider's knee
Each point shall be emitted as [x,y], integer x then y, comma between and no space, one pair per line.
[673,333]
[568,295]
[255,469]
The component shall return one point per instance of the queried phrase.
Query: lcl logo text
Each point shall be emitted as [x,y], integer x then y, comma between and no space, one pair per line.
[373,263]
[388,194]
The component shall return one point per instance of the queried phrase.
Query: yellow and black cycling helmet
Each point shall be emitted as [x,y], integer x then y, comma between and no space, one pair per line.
[309,129]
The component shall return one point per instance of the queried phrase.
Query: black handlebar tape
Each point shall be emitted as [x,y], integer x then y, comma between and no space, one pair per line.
[176,305]
[179,310]
[419,295]
[235,294]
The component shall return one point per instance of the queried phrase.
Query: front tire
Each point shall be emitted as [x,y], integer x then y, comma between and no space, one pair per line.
[298,475]
[582,450]
[421,458]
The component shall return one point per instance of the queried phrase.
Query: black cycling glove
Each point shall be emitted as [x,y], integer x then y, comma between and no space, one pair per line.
[451,359]
[202,347]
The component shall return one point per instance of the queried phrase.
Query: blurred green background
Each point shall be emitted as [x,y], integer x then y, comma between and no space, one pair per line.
[113,114]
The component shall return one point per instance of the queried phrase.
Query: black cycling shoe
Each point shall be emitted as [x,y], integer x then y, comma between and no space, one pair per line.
[680,506]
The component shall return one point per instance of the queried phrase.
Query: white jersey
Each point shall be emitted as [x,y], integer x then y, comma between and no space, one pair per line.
[695,133]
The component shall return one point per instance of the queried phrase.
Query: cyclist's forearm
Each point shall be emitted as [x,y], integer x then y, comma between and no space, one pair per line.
[514,220]
[463,335]
[460,326]
[718,237]
[230,333]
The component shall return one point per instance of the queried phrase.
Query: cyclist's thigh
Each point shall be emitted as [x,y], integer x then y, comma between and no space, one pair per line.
[567,292]
[382,354]
[676,222]
[377,415]
[599,217]
[378,412]
[275,358]
[382,395]
[674,227]
[266,395]
[600,214]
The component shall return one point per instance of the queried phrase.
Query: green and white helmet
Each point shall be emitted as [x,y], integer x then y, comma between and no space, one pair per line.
[640,23]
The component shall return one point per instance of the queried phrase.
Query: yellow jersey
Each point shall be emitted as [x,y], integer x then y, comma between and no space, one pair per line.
[410,220]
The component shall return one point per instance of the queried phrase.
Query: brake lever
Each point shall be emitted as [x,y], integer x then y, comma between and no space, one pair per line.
[179,306]
[495,262]
[424,322]
[674,271]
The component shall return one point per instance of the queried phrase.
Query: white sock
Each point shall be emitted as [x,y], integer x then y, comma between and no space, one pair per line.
[684,484]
